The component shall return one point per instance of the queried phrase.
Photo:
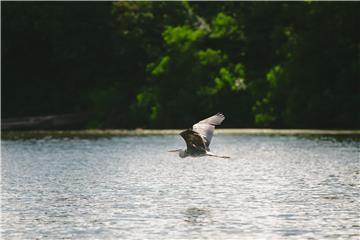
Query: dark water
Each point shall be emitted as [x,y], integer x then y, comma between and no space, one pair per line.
[131,188]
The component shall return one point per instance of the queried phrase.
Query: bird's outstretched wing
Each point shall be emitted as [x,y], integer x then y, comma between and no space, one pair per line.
[205,128]
[194,142]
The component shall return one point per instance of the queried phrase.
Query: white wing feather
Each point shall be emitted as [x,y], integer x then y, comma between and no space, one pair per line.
[206,127]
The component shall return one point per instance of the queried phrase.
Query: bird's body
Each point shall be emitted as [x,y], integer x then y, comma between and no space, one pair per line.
[198,138]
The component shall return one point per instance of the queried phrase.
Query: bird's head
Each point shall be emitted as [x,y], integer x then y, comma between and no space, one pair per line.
[182,153]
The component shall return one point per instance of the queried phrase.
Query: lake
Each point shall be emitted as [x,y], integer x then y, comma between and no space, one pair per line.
[272,187]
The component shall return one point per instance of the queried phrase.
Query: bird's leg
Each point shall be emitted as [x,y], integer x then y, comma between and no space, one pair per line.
[214,155]
[176,150]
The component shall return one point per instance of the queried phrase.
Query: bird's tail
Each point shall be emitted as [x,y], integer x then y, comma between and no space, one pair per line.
[214,155]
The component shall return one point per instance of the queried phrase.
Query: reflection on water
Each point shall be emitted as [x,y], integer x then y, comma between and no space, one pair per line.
[131,188]
[196,215]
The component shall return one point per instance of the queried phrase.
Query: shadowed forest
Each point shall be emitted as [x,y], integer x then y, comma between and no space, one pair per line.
[169,64]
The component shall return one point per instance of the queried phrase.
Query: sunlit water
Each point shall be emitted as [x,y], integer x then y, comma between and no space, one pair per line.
[132,188]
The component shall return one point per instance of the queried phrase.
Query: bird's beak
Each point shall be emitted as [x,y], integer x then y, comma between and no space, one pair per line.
[176,150]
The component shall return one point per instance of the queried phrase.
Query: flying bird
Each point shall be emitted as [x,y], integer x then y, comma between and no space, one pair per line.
[198,138]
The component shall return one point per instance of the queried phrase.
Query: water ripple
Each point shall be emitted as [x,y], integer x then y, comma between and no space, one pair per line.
[131,188]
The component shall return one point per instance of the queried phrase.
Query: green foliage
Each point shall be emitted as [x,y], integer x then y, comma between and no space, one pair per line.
[161,67]
[223,26]
[181,38]
[274,75]
[211,57]
[233,77]
[145,110]
[263,109]
[192,68]
[264,120]
[164,64]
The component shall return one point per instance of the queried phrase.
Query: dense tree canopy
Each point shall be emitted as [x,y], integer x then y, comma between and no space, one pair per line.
[167,64]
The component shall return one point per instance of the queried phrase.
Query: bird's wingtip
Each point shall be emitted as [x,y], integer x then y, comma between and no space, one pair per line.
[220,114]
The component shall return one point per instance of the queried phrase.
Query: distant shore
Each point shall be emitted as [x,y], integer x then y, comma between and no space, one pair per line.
[149,132]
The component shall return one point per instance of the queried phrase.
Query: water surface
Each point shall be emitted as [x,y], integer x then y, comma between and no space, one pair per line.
[274,187]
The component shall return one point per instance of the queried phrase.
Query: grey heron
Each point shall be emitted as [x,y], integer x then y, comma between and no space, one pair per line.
[198,138]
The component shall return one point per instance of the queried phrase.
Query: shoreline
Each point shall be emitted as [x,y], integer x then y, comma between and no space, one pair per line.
[153,132]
